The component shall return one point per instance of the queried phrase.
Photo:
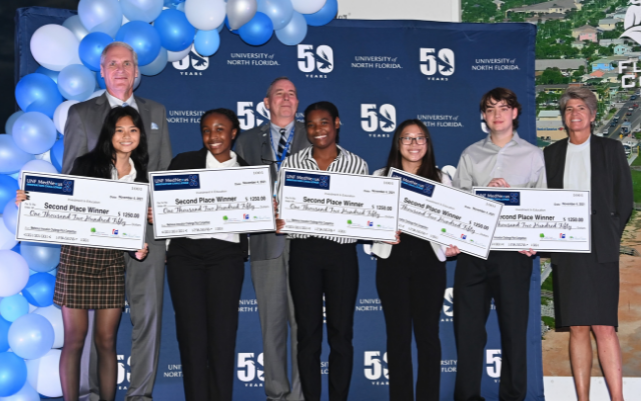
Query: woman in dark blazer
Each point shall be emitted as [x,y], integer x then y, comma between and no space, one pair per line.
[205,276]
[586,285]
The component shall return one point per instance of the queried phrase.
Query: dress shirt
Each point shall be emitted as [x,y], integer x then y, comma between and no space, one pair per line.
[519,163]
[578,171]
[115,102]
[274,131]
[131,177]
[345,162]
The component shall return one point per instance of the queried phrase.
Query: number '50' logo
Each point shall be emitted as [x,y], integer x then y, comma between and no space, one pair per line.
[441,61]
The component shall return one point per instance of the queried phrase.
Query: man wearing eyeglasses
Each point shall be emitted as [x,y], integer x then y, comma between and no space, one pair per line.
[269,253]
[502,159]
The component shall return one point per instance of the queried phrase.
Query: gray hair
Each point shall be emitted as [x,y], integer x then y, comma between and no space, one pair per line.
[118,44]
[274,82]
[580,93]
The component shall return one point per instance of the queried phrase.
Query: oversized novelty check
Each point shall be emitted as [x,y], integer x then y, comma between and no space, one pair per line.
[337,204]
[205,202]
[446,215]
[92,212]
[554,220]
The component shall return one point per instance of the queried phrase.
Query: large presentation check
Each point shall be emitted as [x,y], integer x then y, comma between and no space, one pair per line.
[336,204]
[446,215]
[547,220]
[92,212]
[205,202]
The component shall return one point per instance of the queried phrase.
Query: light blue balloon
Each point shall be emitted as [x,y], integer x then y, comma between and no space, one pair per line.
[176,33]
[101,15]
[11,308]
[13,374]
[8,126]
[257,31]
[39,166]
[10,214]
[8,188]
[156,66]
[324,15]
[57,150]
[40,257]
[279,11]
[206,43]
[26,393]
[38,92]
[34,132]
[39,290]
[91,48]
[4,334]
[294,32]
[144,39]
[101,81]
[76,82]
[50,73]
[74,24]
[141,10]
[31,336]
[12,158]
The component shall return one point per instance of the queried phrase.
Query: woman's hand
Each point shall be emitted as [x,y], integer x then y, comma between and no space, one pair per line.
[528,253]
[150,216]
[21,196]
[142,253]
[498,182]
[451,251]
[398,239]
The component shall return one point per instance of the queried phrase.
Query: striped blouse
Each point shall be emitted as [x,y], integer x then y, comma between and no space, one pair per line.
[345,162]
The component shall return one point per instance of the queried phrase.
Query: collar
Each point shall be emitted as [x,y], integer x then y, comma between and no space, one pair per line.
[308,153]
[516,139]
[287,128]
[115,102]
[131,177]
[212,163]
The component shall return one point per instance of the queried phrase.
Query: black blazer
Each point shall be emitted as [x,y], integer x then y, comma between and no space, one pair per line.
[196,160]
[611,191]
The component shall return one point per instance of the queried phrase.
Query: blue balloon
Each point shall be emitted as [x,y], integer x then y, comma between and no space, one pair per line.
[235,32]
[100,15]
[101,81]
[40,257]
[4,334]
[39,289]
[13,373]
[176,33]
[50,73]
[141,10]
[257,31]
[144,39]
[38,92]
[206,43]
[34,132]
[279,11]
[294,32]
[10,215]
[74,24]
[8,188]
[16,248]
[26,393]
[31,336]
[56,153]
[156,66]
[324,15]
[8,126]
[76,82]
[91,48]
[11,308]
[12,158]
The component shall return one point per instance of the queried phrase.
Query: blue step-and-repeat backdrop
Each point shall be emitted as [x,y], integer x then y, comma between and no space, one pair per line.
[378,73]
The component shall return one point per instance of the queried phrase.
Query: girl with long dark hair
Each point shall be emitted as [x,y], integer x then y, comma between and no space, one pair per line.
[94,278]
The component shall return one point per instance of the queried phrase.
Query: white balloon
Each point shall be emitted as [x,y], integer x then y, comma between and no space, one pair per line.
[205,14]
[101,15]
[26,393]
[39,166]
[61,113]
[74,24]
[7,239]
[54,315]
[308,6]
[43,374]
[14,272]
[94,95]
[54,47]
[177,56]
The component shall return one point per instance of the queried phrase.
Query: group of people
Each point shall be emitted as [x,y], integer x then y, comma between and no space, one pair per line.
[120,136]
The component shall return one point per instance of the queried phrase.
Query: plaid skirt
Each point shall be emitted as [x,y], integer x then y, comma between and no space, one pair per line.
[90,278]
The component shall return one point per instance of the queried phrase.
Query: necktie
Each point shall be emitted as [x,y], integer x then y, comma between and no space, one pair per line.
[282,144]
[124,104]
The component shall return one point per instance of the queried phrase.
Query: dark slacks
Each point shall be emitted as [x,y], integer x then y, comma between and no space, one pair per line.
[205,277]
[320,267]
[411,284]
[504,276]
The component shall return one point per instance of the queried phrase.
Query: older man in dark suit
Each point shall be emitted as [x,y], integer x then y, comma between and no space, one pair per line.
[145,280]
[270,144]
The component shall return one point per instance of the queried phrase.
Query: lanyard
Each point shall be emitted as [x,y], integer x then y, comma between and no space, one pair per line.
[279,160]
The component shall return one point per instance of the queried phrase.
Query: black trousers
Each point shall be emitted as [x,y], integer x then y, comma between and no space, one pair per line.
[205,278]
[411,284]
[504,276]
[320,267]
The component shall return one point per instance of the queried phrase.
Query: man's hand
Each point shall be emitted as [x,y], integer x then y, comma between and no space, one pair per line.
[528,252]
[498,182]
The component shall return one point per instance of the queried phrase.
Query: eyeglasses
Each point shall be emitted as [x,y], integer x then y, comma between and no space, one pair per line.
[407,140]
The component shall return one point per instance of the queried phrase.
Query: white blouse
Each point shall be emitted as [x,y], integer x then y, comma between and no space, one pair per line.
[131,177]
[578,171]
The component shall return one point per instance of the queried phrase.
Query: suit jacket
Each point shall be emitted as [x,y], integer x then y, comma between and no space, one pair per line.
[611,192]
[197,160]
[255,147]
[85,121]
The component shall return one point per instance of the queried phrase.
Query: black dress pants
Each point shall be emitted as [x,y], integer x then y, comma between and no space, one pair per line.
[411,284]
[320,267]
[504,276]
[205,277]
